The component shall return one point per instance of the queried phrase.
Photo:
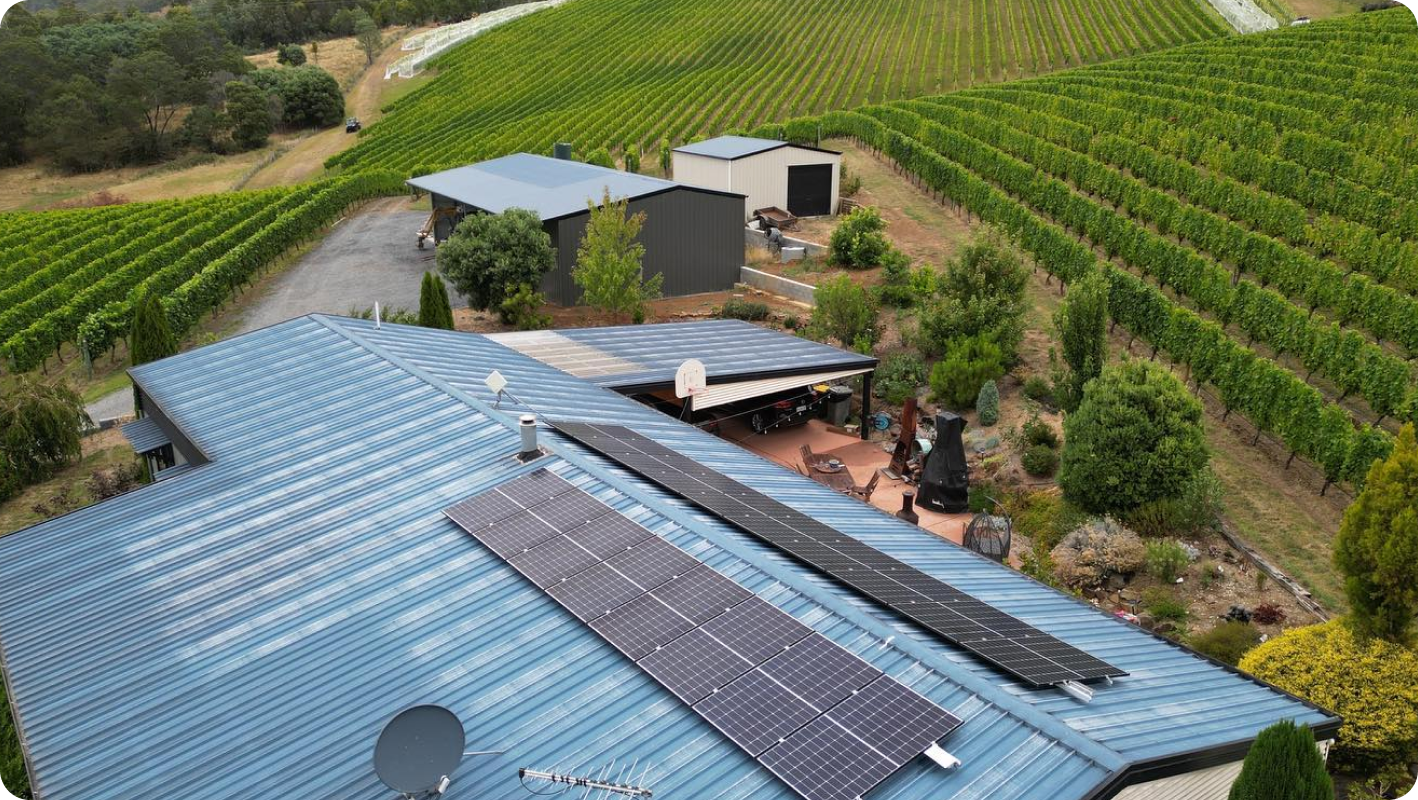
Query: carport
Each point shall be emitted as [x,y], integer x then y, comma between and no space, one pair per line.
[741,360]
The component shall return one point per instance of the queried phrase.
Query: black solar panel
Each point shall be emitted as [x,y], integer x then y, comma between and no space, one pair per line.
[701,594]
[825,762]
[1007,642]
[753,671]
[756,712]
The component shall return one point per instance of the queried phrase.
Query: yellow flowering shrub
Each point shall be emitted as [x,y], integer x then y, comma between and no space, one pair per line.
[1372,685]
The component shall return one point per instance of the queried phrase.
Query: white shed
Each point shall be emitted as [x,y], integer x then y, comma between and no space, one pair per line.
[795,177]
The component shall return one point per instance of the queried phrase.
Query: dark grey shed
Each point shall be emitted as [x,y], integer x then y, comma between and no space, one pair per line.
[693,236]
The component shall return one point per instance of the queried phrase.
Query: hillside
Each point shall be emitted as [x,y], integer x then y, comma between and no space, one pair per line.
[1250,202]
[608,72]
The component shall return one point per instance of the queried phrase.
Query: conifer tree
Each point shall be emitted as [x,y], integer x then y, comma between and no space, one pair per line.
[434,308]
[1283,764]
[150,338]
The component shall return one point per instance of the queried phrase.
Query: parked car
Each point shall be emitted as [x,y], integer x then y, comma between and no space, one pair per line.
[781,410]
[352,125]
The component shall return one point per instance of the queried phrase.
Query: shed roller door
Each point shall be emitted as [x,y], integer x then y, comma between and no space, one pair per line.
[810,190]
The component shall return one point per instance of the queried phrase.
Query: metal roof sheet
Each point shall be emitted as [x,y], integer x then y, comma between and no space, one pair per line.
[729,148]
[257,620]
[551,187]
[731,350]
[144,435]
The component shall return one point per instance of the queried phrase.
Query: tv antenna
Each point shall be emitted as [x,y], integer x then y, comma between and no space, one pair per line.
[606,785]
[419,749]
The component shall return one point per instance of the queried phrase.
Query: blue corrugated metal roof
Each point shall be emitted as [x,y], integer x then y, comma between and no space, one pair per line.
[730,349]
[551,187]
[730,147]
[253,623]
[144,435]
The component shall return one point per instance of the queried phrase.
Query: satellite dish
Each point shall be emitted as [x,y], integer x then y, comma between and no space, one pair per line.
[690,378]
[418,749]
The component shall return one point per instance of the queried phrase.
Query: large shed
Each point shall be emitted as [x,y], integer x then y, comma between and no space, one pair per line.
[692,235]
[795,177]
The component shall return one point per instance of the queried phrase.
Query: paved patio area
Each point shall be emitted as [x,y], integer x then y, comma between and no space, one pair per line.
[861,459]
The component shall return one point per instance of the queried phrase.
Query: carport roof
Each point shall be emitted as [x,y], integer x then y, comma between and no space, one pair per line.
[553,188]
[631,358]
[732,148]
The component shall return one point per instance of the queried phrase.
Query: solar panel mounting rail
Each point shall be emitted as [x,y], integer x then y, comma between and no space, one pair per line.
[827,723]
[1019,649]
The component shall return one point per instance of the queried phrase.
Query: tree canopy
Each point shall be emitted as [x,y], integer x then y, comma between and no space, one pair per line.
[40,428]
[151,337]
[434,309]
[1283,764]
[608,262]
[490,255]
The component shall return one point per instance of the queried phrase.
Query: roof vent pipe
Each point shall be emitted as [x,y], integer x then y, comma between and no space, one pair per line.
[561,150]
[527,424]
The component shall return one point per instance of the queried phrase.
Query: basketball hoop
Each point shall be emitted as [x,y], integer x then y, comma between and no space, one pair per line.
[690,379]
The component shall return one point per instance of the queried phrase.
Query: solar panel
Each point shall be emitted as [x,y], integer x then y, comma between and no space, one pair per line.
[825,762]
[640,626]
[694,665]
[701,594]
[1000,639]
[756,712]
[745,666]
[820,672]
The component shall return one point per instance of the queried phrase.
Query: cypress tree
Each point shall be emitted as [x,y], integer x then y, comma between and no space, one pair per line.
[150,338]
[1082,322]
[1283,764]
[987,403]
[444,306]
[430,309]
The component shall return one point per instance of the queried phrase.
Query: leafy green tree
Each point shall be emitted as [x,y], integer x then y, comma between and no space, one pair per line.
[1377,546]
[250,115]
[310,96]
[290,54]
[434,309]
[40,428]
[1082,323]
[151,337]
[1136,437]
[845,311]
[76,128]
[1372,684]
[368,35]
[1283,764]
[26,76]
[522,309]
[608,261]
[151,88]
[666,156]
[859,240]
[987,403]
[630,154]
[600,157]
[969,362]
[487,253]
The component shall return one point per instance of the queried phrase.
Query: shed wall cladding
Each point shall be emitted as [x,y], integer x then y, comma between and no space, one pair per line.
[764,176]
[696,170]
[1206,784]
[695,239]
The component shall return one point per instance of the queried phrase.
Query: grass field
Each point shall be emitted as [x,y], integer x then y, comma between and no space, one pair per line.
[635,71]
[1251,203]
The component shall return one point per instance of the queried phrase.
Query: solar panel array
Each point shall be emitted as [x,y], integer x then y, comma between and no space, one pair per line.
[784,694]
[1007,642]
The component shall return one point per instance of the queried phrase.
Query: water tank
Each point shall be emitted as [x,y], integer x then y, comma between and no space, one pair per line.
[561,150]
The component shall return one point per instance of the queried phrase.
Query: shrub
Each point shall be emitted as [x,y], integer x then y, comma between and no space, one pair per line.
[1377,547]
[1283,764]
[1137,437]
[487,253]
[901,286]
[1045,517]
[1197,511]
[981,294]
[389,314]
[845,312]
[1038,432]
[1082,323]
[848,182]
[1037,389]
[521,308]
[41,425]
[1268,614]
[1227,642]
[600,157]
[666,156]
[150,337]
[1040,461]
[957,378]
[1162,604]
[434,309]
[1096,551]
[987,403]
[738,308]
[1166,560]
[899,377]
[1372,684]
[290,54]
[630,154]
[858,241]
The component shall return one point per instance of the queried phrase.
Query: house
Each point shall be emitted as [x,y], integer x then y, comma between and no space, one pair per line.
[692,235]
[800,179]
[247,627]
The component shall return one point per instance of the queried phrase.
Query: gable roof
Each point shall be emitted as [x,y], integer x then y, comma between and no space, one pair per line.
[732,148]
[553,188]
[258,618]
